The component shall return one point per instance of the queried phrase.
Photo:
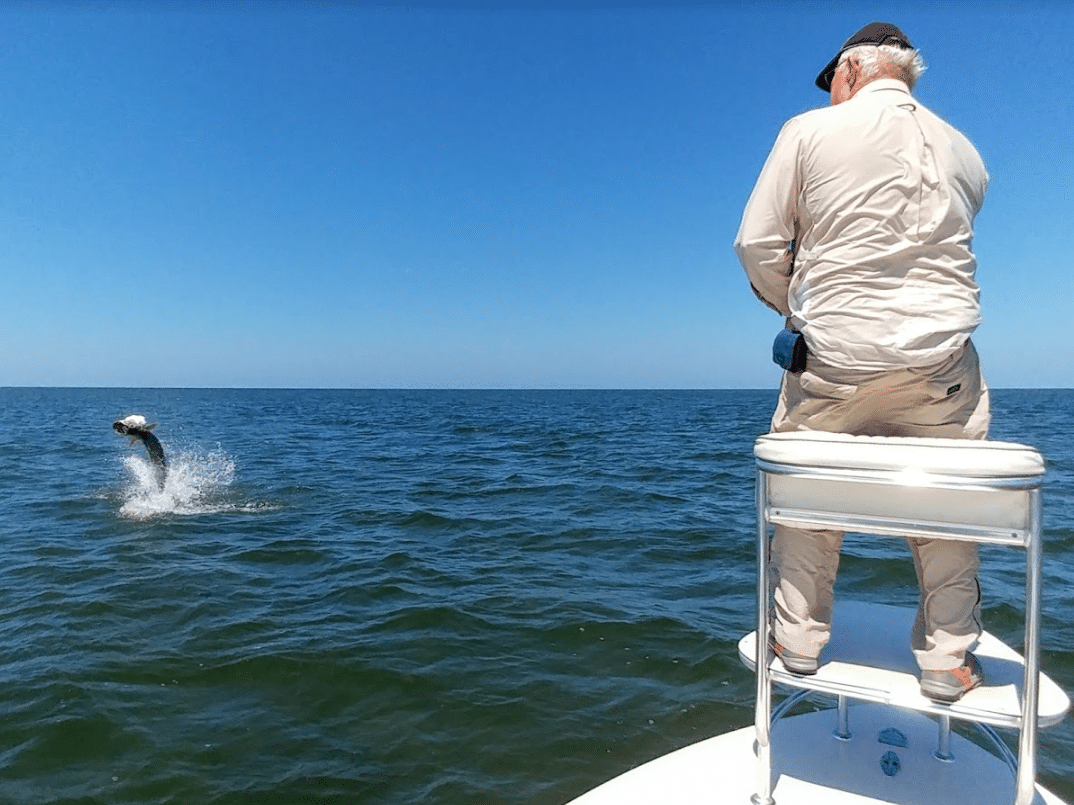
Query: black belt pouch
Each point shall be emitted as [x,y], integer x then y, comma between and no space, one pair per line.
[789,351]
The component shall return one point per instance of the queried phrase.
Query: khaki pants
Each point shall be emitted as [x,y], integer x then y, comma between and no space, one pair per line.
[949,400]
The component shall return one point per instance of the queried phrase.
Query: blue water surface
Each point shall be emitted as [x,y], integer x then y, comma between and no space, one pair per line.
[409,596]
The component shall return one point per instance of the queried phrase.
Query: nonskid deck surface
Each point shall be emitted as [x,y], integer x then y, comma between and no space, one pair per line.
[810,766]
[869,658]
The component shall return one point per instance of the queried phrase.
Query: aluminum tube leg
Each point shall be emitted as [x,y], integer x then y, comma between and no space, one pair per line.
[762,717]
[1027,741]
[943,743]
[842,730]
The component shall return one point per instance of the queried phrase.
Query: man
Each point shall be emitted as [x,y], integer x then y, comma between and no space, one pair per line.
[859,231]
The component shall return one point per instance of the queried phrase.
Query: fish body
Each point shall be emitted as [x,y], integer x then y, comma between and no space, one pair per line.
[135,428]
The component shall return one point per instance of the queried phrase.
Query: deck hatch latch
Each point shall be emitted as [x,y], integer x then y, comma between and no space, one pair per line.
[893,737]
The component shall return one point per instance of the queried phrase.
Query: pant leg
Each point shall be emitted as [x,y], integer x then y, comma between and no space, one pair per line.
[954,405]
[804,562]
[803,567]
[949,610]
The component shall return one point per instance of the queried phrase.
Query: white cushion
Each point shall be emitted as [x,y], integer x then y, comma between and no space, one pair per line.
[958,457]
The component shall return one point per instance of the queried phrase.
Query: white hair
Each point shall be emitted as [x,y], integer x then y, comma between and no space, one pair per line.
[875,59]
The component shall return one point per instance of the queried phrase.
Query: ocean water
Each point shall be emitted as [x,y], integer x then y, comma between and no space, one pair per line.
[442,597]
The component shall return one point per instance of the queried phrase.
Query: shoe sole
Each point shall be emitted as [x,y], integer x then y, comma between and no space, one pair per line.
[946,694]
[788,663]
[800,671]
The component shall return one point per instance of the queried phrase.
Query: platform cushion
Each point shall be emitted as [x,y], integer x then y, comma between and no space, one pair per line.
[957,457]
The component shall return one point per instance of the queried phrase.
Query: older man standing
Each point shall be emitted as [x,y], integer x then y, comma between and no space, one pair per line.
[859,231]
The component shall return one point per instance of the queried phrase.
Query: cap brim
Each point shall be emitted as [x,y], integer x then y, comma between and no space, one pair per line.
[824,80]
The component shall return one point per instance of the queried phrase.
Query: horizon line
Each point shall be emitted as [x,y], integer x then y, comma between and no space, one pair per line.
[464,388]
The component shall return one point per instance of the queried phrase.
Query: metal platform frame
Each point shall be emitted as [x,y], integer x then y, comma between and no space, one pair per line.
[1021,491]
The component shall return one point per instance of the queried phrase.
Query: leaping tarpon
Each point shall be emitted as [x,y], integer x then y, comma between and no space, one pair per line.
[134,427]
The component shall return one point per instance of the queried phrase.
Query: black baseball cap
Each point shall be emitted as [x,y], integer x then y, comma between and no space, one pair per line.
[875,33]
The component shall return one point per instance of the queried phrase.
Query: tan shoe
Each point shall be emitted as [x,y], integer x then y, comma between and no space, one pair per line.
[795,663]
[949,686]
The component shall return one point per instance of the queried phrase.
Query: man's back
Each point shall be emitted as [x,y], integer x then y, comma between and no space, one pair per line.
[884,196]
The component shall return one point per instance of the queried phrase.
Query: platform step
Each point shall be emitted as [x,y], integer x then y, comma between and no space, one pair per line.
[869,659]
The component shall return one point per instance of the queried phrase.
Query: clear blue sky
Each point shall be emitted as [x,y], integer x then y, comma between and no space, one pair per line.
[470,194]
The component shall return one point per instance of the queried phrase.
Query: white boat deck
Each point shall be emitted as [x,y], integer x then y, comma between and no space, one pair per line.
[810,766]
[869,658]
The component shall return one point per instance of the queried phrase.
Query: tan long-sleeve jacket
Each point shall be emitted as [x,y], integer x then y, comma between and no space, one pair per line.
[860,229]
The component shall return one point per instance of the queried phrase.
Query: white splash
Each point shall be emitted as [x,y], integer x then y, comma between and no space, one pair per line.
[197,483]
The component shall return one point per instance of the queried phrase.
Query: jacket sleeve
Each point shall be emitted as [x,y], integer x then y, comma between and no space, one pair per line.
[766,238]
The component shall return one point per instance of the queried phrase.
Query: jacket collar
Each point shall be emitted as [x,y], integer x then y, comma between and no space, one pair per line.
[883,85]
